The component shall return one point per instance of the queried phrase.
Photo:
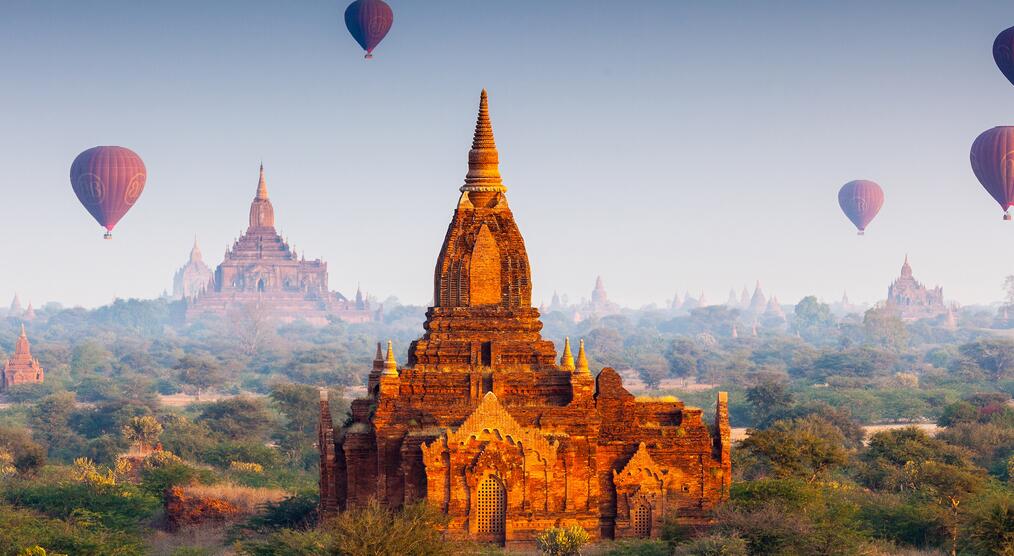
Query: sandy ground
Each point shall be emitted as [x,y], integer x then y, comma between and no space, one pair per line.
[739,433]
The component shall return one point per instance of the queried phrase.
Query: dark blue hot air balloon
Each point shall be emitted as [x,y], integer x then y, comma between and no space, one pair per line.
[368,22]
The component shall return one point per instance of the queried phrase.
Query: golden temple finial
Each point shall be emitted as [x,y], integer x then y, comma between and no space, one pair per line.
[390,365]
[582,360]
[483,160]
[262,185]
[567,361]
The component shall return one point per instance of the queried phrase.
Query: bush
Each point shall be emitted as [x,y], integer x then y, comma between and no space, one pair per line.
[989,526]
[117,507]
[715,545]
[22,529]
[562,541]
[638,548]
[157,480]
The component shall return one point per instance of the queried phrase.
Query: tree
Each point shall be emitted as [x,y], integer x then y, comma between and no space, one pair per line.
[993,355]
[252,326]
[813,319]
[49,421]
[652,368]
[884,327]
[241,418]
[142,432]
[199,371]
[948,485]
[27,455]
[681,355]
[988,527]
[958,412]
[605,347]
[767,399]
[806,448]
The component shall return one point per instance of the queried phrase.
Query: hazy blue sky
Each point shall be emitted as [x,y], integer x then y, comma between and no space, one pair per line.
[664,145]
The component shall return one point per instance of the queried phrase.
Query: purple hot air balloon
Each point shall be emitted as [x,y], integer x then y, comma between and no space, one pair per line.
[992,160]
[1003,53]
[861,200]
[108,181]
[368,22]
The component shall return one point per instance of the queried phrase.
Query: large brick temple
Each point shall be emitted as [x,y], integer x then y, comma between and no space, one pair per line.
[911,299]
[261,272]
[486,424]
[21,368]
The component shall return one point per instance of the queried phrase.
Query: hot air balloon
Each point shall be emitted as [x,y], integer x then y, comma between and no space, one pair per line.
[1003,53]
[992,160]
[108,181]
[861,200]
[368,22]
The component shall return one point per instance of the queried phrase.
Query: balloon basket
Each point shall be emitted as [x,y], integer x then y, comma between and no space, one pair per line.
[861,233]
[1006,216]
[107,235]
[368,56]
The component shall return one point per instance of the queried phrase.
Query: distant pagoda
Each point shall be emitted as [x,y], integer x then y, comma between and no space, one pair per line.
[192,278]
[912,300]
[261,272]
[22,368]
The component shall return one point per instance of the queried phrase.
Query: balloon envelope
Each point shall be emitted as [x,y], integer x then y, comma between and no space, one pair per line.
[1003,53]
[861,200]
[108,181]
[368,21]
[992,159]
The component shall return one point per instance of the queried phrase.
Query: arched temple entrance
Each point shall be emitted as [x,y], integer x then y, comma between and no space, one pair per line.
[491,508]
[641,521]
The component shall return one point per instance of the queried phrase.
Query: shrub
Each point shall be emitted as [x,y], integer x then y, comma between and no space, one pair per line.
[22,530]
[118,507]
[638,548]
[377,530]
[562,541]
[715,545]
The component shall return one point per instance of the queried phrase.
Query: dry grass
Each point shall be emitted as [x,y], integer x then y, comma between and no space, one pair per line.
[247,499]
[209,539]
[183,400]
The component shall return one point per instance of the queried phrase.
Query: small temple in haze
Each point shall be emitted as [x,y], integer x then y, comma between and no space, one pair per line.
[261,271]
[487,424]
[192,278]
[22,368]
[912,300]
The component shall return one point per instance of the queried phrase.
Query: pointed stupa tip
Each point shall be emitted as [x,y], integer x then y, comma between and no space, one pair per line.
[483,159]
[262,185]
[582,360]
[567,360]
[390,365]
[380,355]
[23,330]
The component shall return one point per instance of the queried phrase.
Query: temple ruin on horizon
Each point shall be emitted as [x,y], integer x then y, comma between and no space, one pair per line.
[262,273]
[22,368]
[485,423]
[192,278]
[913,300]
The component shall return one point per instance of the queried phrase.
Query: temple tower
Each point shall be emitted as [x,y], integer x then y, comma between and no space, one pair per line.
[22,368]
[482,314]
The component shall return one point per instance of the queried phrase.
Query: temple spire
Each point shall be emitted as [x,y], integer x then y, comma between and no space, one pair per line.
[483,160]
[390,365]
[262,214]
[567,360]
[262,185]
[582,360]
